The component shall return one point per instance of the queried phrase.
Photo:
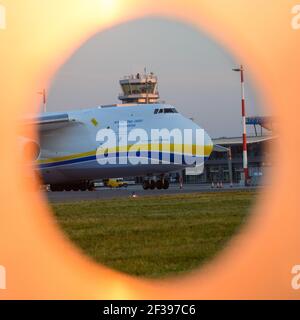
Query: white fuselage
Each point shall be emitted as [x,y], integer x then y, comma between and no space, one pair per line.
[68,153]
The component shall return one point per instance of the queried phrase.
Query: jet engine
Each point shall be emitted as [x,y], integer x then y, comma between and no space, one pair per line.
[29,149]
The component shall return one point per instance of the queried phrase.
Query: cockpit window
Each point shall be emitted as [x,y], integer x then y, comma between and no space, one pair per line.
[170,110]
[165,110]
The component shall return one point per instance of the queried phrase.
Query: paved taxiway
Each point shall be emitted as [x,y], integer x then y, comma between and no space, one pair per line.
[107,193]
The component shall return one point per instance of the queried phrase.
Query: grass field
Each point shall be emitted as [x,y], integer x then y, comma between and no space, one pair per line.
[155,236]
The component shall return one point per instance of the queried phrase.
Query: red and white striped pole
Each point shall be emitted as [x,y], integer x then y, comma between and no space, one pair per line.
[245,154]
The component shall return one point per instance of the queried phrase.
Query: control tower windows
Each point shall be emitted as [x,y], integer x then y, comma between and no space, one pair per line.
[140,89]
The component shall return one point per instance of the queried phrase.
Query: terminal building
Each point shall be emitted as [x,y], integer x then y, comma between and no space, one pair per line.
[225,164]
[221,167]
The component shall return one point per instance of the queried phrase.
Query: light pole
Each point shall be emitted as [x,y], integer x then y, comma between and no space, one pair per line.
[245,155]
[230,167]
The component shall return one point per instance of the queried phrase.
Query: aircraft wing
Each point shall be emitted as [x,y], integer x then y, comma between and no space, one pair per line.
[51,122]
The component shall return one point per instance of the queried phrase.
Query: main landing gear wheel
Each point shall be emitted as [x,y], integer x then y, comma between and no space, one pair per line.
[56,188]
[159,184]
[166,184]
[83,186]
[152,184]
[146,185]
[91,188]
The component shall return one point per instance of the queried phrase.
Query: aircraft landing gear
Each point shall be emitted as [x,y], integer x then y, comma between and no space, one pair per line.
[152,184]
[56,188]
[146,185]
[166,184]
[160,184]
[82,186]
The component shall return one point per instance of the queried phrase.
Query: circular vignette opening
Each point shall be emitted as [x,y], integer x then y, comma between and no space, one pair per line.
[165,232]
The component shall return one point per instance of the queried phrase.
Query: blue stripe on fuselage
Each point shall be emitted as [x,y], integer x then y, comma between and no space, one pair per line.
[118,155]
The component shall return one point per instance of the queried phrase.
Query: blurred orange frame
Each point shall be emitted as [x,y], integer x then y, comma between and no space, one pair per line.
[39,261]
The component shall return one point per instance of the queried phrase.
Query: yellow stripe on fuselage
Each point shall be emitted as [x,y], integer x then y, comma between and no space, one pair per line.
[66,158]
[194,150]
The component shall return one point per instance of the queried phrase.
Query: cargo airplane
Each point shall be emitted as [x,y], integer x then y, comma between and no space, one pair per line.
[71,153]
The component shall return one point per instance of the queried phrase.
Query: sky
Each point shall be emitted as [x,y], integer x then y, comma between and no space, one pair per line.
[194,73]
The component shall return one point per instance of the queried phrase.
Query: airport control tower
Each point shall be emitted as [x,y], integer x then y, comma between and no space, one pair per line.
[139,88]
